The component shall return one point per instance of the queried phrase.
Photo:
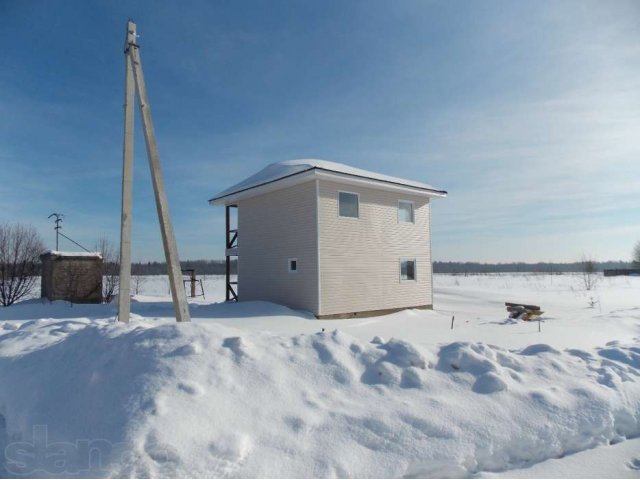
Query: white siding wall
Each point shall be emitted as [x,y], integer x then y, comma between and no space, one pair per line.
[359,258]
[271,229]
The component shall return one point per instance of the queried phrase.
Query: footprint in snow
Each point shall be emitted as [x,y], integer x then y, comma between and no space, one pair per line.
[634,464]
[155,406]
[185,350]
[296,423]
[228,453]
[237,345]
[159,452]
[191,388]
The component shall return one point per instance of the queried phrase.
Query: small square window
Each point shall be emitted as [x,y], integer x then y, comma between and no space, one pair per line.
[348,204]
[405,212]
[407,270]
[293,265]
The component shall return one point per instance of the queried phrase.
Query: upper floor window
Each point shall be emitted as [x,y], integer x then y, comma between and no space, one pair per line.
[348,204]
[405,212]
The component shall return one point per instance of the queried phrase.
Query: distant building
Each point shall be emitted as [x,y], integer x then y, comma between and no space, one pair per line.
[72,276]
[332,239]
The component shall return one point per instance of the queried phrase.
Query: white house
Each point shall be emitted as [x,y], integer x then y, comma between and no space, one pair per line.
[332,239]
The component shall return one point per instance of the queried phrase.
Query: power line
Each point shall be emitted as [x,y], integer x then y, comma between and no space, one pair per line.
[58,227]
[73,241]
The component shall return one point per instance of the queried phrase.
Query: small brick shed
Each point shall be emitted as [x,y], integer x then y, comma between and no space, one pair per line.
[72,276]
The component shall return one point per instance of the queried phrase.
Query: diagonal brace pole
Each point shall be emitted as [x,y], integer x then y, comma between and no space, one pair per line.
[162,205]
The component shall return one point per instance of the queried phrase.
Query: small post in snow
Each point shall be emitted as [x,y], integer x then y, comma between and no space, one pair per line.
[453,317]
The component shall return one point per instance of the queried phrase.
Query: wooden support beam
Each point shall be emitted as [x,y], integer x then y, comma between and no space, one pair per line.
[231,242]
[227,278]
[528,307]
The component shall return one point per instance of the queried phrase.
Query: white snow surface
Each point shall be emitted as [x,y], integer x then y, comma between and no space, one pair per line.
[258,390]
[279,170]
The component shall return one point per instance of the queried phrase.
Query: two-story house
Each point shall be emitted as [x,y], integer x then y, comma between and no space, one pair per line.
[332,239]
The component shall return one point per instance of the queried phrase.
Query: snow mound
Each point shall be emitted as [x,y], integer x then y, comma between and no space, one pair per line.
[152,399]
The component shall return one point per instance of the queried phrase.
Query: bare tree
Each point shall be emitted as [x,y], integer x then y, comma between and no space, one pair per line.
[588,273]
[636,255]
[20,250]
[110,269]
[138,283]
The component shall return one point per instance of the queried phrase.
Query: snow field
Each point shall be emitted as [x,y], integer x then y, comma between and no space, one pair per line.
[400,395]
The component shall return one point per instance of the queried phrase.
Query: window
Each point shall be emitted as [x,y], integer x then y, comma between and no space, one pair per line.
[293,265]
[407,270]
[348,204]
[405,212]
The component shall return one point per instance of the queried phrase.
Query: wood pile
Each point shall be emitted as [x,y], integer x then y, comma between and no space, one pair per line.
[522,311]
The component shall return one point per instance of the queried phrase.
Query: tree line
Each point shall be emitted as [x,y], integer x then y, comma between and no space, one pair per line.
[522,267]
[202,267]
[217,267]
[21,247]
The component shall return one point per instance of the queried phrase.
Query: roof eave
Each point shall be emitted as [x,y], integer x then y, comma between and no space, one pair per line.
[326,174]
[266,187]
[378,183]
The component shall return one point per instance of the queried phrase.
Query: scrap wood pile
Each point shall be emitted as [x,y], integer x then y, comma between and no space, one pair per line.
[523,312]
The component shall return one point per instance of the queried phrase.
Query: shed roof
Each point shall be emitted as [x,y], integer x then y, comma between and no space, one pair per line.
[276,172]
[56,253]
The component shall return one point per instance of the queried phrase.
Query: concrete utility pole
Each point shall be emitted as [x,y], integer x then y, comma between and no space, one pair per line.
[168,238]
[124,301]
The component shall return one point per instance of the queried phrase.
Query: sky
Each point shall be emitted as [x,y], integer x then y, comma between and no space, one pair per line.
[527,113]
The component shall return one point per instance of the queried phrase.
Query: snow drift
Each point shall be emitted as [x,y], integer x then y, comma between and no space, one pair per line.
[204,400]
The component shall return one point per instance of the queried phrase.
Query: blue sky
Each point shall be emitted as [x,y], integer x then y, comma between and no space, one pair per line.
[528,113]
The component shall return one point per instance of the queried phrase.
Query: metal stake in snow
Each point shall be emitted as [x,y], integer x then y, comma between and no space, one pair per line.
[134,72]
